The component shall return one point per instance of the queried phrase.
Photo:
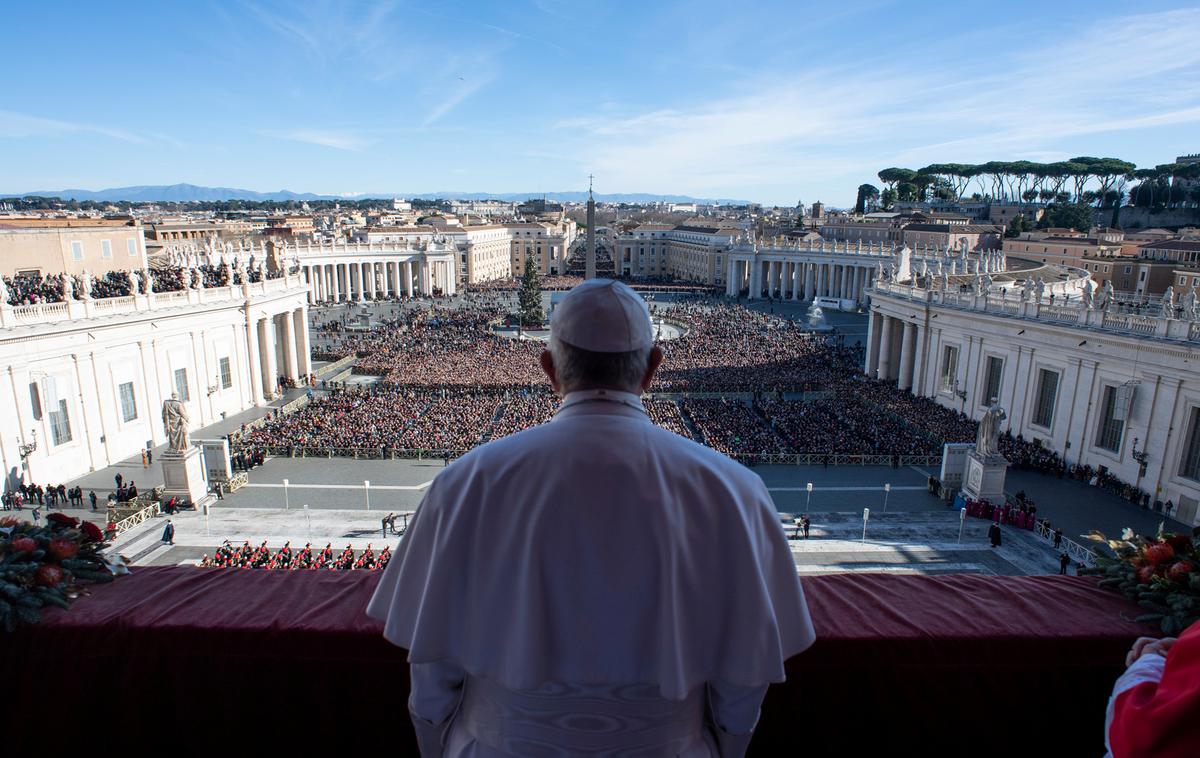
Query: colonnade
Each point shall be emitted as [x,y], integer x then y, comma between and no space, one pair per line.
[278,347]
[892,349]
[800,279]
[347,281]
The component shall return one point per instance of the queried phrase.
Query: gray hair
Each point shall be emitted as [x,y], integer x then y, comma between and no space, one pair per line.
[579,369]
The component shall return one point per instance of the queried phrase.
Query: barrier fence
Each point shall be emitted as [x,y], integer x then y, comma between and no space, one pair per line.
[777,459]
[1075,551]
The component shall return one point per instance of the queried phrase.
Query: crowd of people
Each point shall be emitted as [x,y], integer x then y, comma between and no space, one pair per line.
[32,289]
[285,558]
[49,496]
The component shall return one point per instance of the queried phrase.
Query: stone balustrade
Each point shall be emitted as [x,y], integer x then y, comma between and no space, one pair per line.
[1182,327]
[75,310]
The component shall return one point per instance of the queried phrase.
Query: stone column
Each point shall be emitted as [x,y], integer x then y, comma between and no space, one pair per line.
[335,278]
[291,368]
[408,278]
[359,293]
[266,351]
[254,356]
[919,362]
[871,362]
[885,347]
[426,277]
[809,286]
[299,318]
[907,344]
[729,269]
[755,278]
[845,283]
[797,279]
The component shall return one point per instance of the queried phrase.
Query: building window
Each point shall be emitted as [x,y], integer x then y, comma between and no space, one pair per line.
[128,401]
[1129,269]
[35,401]
[1108,436]
[991,386]
[1190,465]
[105,248]
[949,368]
[60,424]
[131,246]
[1047,393]
[181,384]
[226,374]
[77,250]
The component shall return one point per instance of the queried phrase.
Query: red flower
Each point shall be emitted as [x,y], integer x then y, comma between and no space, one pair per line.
[23,545]
[1145,574]
[1160,552]
[1179,572]
[1181,543]
[91,531]
[62,519]
[63,549]
[48,575]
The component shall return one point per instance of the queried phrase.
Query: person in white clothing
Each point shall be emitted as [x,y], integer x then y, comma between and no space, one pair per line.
[595,585]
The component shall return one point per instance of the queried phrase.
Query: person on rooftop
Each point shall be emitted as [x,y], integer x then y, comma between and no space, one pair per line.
[597,584]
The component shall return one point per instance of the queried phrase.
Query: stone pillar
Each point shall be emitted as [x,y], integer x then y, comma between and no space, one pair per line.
[408,278]
[426,277]
[291,368]
[919,363]
[335,278]
[359,294]
[809,286]
[885,347]
[266,352]
[254,356]
[397,277]
[871,362]
[907,344]
[845,294]
[730,267]
[820,280]
[299,319]
[755,278]
[797,279]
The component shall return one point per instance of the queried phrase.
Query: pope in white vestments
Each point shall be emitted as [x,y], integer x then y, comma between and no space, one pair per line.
[595,585]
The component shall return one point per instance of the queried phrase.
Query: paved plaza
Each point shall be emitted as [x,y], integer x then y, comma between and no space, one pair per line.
[341,500]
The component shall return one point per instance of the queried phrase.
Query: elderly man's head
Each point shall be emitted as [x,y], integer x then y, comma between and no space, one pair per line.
[601,337]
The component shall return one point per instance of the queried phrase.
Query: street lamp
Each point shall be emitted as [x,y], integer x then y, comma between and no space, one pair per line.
[808,500]
[887,490]
[308,519]
[27,449]
[286,504]
[866,517]
[367,492]
[962,520]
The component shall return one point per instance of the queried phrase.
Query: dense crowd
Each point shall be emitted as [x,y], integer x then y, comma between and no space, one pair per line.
[32,289]
[285,558]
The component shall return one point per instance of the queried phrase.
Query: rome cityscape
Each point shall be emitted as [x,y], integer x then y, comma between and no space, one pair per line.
[956,348]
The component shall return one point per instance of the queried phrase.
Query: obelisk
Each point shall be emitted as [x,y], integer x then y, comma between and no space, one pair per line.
[590,270]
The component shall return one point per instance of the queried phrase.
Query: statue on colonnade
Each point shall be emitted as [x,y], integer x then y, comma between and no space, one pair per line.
[175,422]
[1168,303]
[1089,294]
[987,439]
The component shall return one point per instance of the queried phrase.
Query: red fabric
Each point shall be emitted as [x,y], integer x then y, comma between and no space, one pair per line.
[1162,720]
[929,663]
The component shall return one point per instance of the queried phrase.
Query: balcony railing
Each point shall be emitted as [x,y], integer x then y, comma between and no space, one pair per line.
[922,665]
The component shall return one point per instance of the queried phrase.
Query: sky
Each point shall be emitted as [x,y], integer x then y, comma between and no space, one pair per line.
[763,101]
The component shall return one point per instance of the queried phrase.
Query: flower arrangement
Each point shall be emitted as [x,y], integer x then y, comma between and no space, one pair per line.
[44,565]
[1161,574]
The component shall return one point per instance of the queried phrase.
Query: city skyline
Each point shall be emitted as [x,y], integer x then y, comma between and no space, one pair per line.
[773,105]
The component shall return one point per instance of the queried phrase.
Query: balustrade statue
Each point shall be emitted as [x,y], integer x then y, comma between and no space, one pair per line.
[1168,303]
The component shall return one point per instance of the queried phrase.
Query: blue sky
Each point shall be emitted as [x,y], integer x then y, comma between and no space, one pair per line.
[765,101]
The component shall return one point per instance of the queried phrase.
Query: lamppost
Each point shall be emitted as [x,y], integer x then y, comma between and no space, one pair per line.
[27,449]
[887,490]
[367,492]
[962,520]
[308,519]
[866,517]
[286,504]
[808,500]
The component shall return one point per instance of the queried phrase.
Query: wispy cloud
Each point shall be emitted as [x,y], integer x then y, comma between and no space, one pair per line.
[458,93]
[15,125]
[851,122]
[338,140]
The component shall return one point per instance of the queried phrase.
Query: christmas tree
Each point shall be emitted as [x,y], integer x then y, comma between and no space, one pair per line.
[530,297]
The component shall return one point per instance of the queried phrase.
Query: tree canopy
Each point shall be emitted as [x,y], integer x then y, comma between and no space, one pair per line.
[1029,180]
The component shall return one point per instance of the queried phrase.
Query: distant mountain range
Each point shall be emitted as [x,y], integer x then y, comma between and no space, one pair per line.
[183,193]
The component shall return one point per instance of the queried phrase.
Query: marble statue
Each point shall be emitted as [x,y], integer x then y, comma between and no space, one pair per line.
[1168,303]
[1107,296]
[3,293]
[1027,290]
[68,289]
[945,281]
[987,440]
[86,285]
[175,422]
[1039,289]
[1089,294]
[133,283]
[1188,303]
[149,282]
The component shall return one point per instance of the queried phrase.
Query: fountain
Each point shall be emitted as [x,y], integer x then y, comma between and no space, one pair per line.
[815,319]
